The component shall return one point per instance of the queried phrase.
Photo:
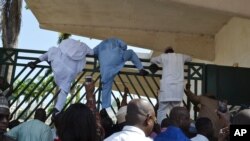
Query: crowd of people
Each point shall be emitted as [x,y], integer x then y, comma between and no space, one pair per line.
[136,120]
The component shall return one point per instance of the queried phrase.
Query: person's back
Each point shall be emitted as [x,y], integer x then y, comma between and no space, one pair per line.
[33,130]
[180,120]
[171,83]
[110,55]
[66,62]
[173,67]
[111,51]
[204,128]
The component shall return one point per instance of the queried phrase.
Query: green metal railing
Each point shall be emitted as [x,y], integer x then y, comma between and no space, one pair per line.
[35,88]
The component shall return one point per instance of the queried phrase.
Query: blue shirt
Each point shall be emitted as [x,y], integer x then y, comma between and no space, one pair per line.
[110,55]
[172,134]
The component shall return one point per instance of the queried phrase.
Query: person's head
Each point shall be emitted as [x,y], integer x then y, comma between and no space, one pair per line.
[77,124]
[169,50]
[4,114]
[40,114]
[165,123]
[180,117]
[204,126]
[140,113]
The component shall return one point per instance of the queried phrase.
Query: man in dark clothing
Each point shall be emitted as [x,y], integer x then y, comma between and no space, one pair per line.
[4,118]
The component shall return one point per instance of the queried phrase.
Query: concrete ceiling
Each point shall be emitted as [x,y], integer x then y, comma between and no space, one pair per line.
[154,24]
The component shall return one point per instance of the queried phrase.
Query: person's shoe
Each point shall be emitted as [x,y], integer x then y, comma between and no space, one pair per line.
[54,113]
[143,72]
[153,68]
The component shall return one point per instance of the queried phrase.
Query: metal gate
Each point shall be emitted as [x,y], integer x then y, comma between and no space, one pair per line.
[35,88]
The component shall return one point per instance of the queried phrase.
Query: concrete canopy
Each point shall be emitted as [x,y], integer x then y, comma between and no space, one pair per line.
[188,26]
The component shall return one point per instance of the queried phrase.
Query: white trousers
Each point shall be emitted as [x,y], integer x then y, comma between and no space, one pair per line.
[62,96]
[164,109]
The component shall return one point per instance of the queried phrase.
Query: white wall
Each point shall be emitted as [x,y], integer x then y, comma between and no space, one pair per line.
[232,43]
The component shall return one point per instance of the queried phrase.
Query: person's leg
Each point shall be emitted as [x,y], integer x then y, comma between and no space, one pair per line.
[129,55]
[162,111]
[62,96]
[173,104]
[106,93]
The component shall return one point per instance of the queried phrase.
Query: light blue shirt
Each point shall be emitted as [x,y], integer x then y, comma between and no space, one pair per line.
[33,130]
[110,55]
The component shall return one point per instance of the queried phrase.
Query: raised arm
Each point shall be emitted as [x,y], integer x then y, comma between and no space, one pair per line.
[124,97]
[187,58]
[43,57]
[192,97]
[156,60]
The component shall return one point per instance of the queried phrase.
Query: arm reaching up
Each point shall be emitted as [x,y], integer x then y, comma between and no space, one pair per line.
[124,97]
[192,97]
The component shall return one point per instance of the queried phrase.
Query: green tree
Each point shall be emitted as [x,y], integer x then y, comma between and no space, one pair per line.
[32,90]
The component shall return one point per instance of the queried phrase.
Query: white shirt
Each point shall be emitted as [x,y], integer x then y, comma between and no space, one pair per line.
[129,133]
[67,61]
[199,137]
[171,84]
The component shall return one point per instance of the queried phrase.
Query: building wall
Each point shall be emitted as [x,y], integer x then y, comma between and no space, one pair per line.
[232,43]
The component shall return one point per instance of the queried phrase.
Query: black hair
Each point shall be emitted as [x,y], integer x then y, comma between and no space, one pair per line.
[165,122]
[40,114]
[169,50]
[77,124]
[203,124]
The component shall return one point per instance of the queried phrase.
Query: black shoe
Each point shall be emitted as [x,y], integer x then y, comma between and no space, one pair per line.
[54,113]
[143,72]
[153,68]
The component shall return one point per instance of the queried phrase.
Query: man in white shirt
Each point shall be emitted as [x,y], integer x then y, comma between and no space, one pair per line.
[140,121]
[66,61]
[172,82]
[204,128]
